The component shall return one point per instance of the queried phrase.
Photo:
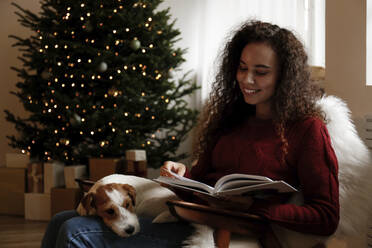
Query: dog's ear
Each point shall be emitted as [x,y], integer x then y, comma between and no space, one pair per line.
[88,202]
[131,192]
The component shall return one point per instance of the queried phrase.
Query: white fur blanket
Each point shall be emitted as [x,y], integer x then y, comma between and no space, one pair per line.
[355,179]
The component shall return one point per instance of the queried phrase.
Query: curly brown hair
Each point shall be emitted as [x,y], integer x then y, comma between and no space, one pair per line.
[293,100]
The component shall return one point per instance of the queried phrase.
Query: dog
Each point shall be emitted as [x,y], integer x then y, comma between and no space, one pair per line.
[119,200]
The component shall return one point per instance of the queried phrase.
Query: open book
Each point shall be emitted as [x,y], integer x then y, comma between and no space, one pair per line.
[233,184]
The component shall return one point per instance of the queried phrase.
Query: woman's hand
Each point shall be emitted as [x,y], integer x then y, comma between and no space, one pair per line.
[175,167]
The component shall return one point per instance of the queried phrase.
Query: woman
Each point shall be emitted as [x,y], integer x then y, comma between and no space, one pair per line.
[260,119]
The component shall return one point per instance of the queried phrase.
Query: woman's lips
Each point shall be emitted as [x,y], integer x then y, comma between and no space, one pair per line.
[250,91]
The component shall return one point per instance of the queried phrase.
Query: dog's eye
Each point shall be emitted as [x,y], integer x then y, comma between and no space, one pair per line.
[110,211]
[127,205]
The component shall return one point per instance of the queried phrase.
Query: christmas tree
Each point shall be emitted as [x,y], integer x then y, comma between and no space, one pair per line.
[98,78]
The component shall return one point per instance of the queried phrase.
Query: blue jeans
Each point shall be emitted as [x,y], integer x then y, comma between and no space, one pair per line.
[68,229]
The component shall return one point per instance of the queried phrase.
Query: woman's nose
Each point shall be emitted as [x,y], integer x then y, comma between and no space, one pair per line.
[249,78]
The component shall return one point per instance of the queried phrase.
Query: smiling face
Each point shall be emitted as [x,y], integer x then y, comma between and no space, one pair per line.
[257,75]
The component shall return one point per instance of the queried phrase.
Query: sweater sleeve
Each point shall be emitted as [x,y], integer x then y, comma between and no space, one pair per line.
[317,171]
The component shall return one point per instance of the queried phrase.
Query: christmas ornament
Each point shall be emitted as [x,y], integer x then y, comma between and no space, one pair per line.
[135,44]
[172,73]
[102,67]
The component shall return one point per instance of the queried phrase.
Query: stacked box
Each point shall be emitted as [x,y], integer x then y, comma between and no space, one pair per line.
[136,168]
[135,155]
[37,206]
[35,179]
[53,176]
[136,163]
[16,160]
[101,167]
[72,173]
[64,199]
[12,189]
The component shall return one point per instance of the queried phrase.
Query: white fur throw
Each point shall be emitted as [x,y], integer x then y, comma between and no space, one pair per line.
[355,170]
[355,180]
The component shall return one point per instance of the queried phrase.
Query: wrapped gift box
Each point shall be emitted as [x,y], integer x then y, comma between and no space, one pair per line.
[37,206]
[35,180]
[136,168]
[64,199]
[101,167]
[13,180]
[12,189]
[53,176]
[73,172]
[16,160]
[135,155]
[13,203]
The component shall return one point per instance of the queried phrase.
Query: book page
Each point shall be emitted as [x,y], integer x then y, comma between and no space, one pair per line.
[185,183]
[228,181]
[278,186]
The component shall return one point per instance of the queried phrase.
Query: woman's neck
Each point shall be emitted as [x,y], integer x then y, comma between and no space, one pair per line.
[263,112]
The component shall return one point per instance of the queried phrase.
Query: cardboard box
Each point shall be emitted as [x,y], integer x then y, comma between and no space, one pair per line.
[73,172]
[12,189]
[13,180]
[37,206]
[101,167]
[135,155]
[136,168]
[16,160]
[35,180]
[12,203]
[64,199]
[53,176]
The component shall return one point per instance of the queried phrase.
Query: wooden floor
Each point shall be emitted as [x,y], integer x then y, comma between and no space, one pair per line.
[20,233]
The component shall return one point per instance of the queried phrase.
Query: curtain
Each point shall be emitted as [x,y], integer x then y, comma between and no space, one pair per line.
[369,43]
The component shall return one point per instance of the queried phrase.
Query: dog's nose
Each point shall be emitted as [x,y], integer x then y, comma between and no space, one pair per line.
[129,229]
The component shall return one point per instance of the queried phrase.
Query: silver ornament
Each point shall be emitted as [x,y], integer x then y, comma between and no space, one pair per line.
[135,44]
[102,67]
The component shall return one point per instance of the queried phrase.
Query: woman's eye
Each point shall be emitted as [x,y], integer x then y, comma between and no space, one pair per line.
[241,68]
[261,73]
[110,211]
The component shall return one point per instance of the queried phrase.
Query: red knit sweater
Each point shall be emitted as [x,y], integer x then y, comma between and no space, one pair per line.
[311,166]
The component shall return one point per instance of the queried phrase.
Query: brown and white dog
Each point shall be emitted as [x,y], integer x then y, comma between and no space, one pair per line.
[120,199]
